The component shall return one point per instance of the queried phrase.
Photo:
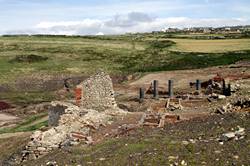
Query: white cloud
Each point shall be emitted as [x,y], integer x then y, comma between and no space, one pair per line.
[131,22]
[99,34]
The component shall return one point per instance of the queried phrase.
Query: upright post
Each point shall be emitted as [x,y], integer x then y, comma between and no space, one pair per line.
[156,94]
[224,91]
[170,88]
[141,94]
[198,85]
[229,90]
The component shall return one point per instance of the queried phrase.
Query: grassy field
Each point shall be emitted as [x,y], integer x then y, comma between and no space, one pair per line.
[211,46]
[27,62]
[35,59]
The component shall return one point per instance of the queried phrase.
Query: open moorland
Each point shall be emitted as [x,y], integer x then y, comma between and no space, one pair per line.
[34,71]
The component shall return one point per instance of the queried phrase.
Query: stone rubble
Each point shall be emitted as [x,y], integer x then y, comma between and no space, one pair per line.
[65,133]
[75,123]
[236,135]
[172,106]
[234,105]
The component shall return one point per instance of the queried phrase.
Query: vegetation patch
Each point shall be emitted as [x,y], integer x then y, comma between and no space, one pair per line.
[153,62]
[29,58]
[157,44]
[24,98]
[28,125]
[117,55]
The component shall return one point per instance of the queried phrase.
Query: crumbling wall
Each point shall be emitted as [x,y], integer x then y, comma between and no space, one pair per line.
[73,123]
[98,93]
[55,112]
[73,126]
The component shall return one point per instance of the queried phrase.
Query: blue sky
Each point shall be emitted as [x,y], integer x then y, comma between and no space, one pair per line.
[117,16]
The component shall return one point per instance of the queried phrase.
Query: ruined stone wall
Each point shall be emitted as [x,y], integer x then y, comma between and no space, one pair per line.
[71,123]
[73,126]
[55,113]
[98,93]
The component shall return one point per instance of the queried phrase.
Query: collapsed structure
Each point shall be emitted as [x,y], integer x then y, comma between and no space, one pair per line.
[71,123]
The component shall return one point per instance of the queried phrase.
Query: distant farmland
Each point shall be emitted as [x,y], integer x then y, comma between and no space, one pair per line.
[211,46]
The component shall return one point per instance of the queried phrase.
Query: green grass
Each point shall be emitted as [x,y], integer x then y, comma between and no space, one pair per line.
[42,57]
[27,125]
[180,60]
[114,54]
[23,98]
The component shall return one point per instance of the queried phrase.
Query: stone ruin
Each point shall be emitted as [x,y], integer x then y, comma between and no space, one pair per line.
[98,93]
[71,123]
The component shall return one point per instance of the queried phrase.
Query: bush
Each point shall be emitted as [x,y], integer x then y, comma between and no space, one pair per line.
[161,44]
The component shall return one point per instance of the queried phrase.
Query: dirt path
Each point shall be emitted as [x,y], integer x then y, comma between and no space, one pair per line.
[18,134]
[182,78]
[6,117]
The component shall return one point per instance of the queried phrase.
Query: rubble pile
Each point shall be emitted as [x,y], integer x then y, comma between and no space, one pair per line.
[236,135]
[173,106]
[235,105]
[72,124]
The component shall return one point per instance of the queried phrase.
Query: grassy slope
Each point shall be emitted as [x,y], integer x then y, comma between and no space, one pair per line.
[114,54]
[30,124]
[84,55]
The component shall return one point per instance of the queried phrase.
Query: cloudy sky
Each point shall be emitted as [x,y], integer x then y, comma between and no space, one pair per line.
[81,17]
